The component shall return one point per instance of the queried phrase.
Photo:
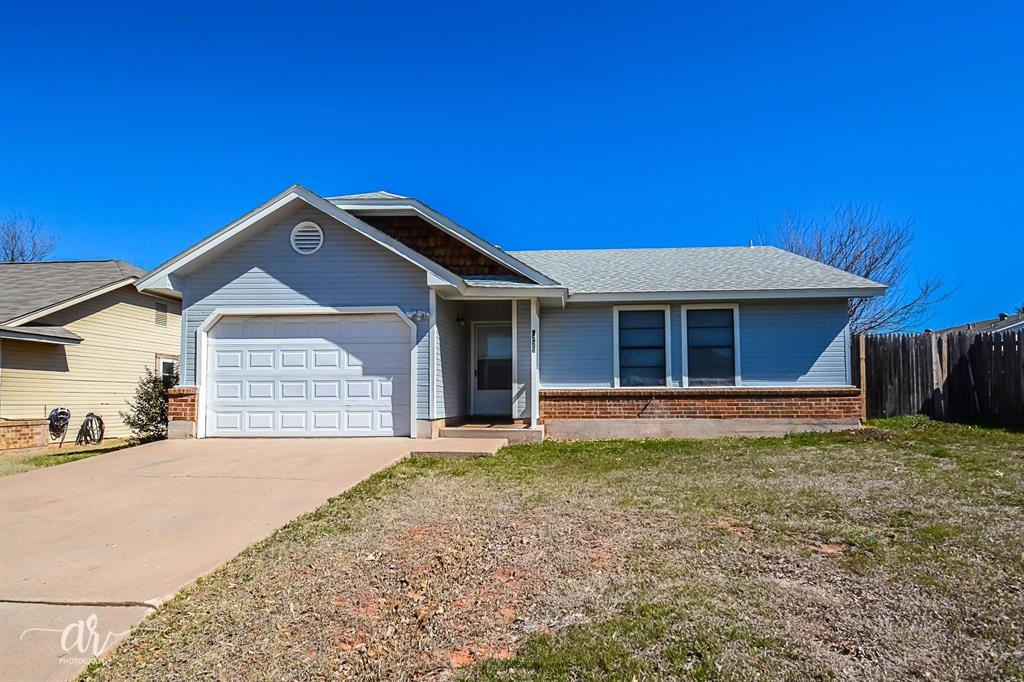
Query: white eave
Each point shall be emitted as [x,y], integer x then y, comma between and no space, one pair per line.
[159,279]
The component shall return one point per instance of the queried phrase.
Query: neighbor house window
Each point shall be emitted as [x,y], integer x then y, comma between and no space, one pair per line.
[710,346]
[167,366]
[642,346]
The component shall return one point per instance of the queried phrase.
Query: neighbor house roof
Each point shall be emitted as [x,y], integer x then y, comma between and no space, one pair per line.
[31,290]
[40,333]
[1002,323]
[601,272]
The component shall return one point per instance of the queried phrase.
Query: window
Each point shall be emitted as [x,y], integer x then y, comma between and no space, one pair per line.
[710,346]
[642,340]
[493,358]
[167,367]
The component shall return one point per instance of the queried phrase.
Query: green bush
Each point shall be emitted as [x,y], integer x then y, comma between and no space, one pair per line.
[147,412]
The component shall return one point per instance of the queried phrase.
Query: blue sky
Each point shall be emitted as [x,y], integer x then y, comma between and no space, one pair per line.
[134,130]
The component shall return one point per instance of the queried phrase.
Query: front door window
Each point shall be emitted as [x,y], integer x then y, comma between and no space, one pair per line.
[492,381]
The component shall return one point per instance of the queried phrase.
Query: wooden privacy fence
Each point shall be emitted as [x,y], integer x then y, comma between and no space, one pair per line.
[966,376]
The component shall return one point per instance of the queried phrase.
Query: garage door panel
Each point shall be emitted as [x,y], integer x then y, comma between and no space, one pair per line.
[259,359]
[336,376]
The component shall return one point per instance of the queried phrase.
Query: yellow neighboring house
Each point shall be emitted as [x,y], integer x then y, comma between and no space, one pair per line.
[78,334]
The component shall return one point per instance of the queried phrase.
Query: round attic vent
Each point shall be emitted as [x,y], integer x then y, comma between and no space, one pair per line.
[307,238]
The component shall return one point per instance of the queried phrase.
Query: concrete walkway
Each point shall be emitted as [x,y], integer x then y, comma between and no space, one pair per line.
[87,549]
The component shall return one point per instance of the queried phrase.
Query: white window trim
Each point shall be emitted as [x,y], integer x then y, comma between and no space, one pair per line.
[735,307]
[160,363]
[668,341]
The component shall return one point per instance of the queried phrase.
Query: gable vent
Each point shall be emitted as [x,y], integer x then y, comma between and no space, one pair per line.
[160,314]
[307,238]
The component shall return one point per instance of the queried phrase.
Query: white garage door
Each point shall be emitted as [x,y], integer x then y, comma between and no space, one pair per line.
[315,375]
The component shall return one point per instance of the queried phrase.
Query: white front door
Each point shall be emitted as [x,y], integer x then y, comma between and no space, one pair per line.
[492,369]
[308,375]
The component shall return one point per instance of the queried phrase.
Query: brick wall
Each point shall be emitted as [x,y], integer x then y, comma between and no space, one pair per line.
[23,433]
[181,404]
[698,403]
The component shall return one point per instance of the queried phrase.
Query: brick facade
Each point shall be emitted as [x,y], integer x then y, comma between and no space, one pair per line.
[700,403]
[24,433]
[181,404]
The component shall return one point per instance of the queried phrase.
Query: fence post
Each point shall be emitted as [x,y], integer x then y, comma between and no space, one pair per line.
[863,376]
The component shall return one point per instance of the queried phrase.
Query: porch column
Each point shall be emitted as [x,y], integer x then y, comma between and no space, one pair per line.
[534,362]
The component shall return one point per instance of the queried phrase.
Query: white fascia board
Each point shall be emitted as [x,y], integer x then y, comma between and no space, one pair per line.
[159,278]
[449,226]
[504,293]
[43,312]
[763,294]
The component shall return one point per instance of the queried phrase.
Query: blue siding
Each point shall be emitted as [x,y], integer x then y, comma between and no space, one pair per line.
[451,371]
[576,346]
[786,344]
[349,270]
[781,344]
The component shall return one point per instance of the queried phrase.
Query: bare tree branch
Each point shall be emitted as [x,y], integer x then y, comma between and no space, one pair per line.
[22,240]
[858,239]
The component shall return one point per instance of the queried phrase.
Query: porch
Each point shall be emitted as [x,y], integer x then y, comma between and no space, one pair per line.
[484,369]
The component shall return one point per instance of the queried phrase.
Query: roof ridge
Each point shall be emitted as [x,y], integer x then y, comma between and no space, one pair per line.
[648,248]
[73,260]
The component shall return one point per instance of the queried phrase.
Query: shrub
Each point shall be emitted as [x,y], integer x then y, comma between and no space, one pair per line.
[147,412]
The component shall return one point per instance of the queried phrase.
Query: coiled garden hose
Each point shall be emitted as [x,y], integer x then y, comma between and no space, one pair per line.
[59,419]
[91,431]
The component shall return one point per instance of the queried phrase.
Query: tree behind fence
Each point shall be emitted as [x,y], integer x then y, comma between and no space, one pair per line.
[955,377]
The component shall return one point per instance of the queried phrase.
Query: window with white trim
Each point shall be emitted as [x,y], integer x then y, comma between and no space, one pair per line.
[710,346]
[168,367]
[642,351]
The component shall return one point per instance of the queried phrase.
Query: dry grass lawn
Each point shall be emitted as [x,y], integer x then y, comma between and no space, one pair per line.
[890,553]
[18,461]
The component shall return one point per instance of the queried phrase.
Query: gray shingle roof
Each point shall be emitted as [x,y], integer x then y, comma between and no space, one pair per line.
[30,330]
[28,287]
[740,268]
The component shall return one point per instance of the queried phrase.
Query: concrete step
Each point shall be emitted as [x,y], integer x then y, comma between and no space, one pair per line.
[511,433]
[458,448]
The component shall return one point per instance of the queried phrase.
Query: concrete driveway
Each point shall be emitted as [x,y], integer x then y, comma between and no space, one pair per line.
[88,549]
